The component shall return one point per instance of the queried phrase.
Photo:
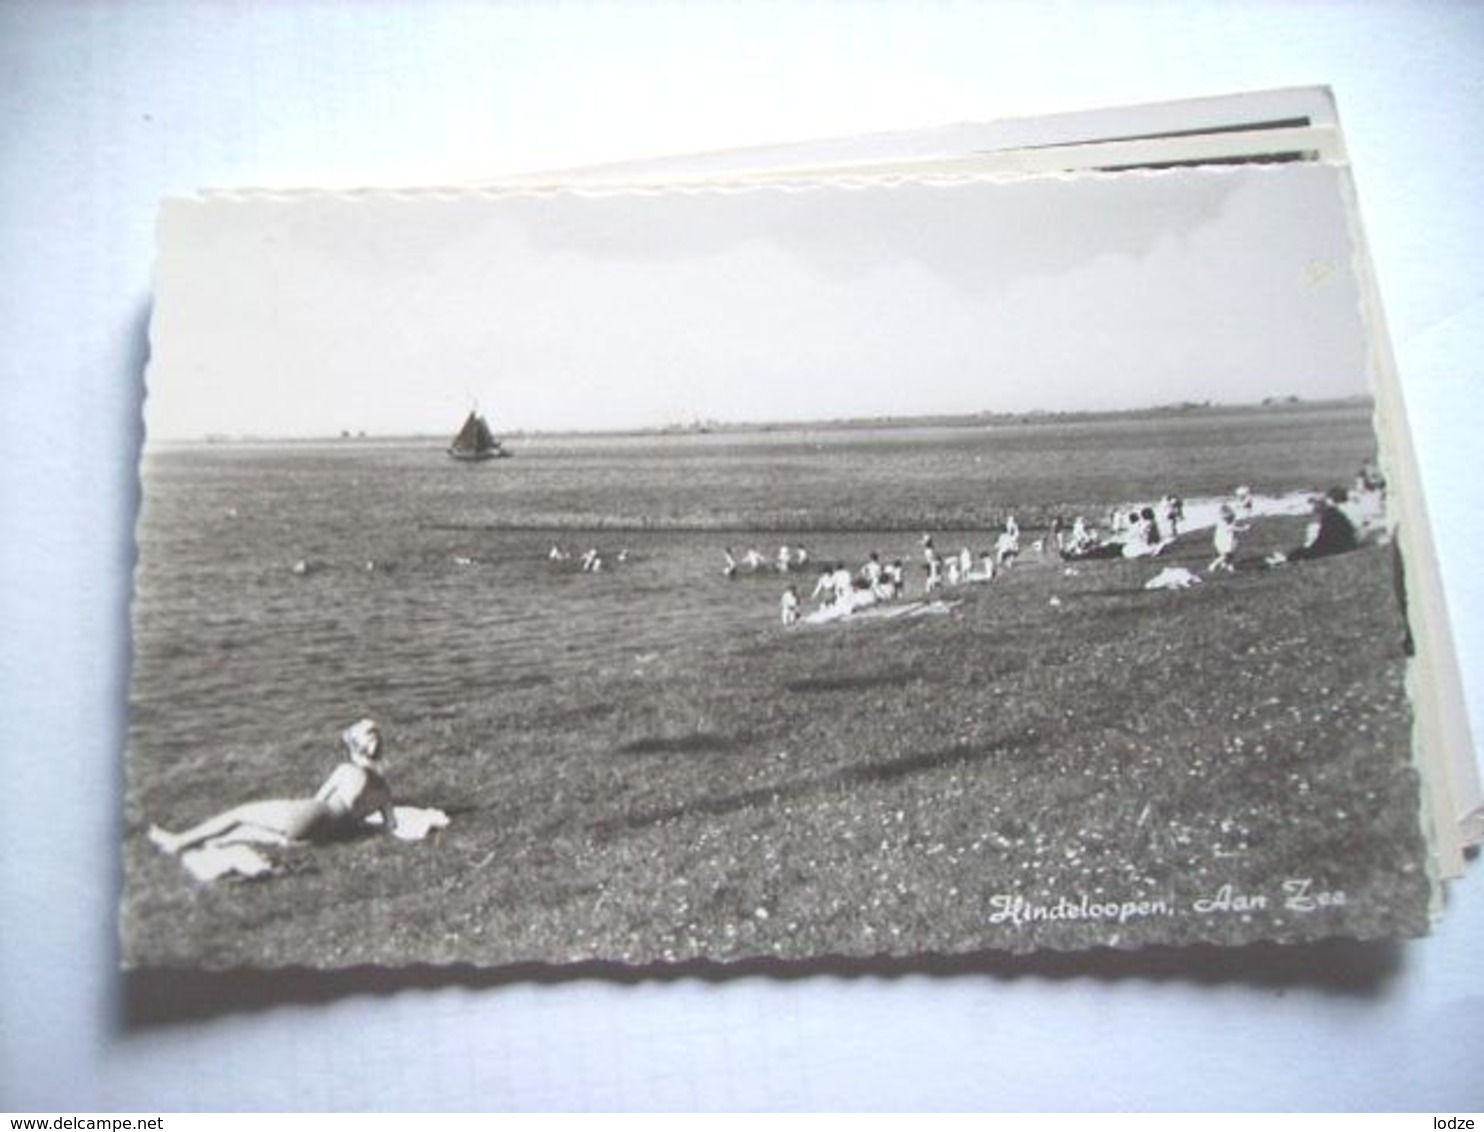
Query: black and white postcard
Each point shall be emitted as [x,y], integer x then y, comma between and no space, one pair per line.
[914,565]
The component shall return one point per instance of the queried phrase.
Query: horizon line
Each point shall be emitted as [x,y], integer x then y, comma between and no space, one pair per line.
[708,426]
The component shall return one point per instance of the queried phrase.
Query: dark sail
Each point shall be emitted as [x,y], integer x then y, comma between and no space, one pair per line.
[475,441]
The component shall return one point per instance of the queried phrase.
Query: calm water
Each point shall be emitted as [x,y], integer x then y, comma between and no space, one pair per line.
[459,597]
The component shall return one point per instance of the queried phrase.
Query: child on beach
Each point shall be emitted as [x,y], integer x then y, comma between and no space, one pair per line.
[1172,509]
[842,583]
[934,568]
[1224,538]
[789,606]
[1007,546]
[1082,537]
[824,585]
[1244,498]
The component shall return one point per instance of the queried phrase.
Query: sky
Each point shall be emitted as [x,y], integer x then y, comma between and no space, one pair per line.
[396,314]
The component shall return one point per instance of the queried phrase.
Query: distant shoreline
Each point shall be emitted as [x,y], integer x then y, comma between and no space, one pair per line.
[1276,406]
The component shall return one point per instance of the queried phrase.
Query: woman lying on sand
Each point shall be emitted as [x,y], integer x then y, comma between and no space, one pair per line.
[354,791]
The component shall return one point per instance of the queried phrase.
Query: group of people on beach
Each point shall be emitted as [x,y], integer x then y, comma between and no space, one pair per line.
[1338,516]
[1135,534]
[1143,531]
[840,589]
[1339,519]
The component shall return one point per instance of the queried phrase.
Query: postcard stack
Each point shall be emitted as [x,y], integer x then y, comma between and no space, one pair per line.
[973,540]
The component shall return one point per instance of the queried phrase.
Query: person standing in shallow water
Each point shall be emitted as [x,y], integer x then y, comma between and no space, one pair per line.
[355,790]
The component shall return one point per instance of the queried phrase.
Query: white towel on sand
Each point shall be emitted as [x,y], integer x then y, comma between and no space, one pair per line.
[1172,578]
[414,822]
[211,862]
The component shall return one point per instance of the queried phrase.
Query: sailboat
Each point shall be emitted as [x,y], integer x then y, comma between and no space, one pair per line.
[475,441]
